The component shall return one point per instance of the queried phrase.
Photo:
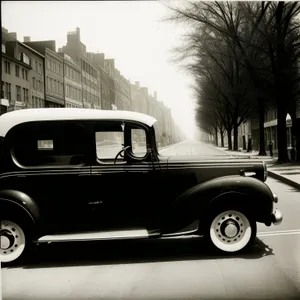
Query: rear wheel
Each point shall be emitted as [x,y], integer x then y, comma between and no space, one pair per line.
[12,241]
[231,230]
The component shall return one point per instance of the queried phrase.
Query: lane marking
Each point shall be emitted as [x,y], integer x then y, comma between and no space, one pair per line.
[280,232]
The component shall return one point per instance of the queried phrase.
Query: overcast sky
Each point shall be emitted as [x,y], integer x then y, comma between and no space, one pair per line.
[129,31]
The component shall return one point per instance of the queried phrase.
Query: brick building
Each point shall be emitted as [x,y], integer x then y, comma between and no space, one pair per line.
[106,80]
[142,102]
[122,92]
[72,82]
[53,72]
[22,74]
[13,83]
[90,76]
[139,96]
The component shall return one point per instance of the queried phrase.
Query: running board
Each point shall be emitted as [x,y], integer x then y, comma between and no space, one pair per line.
[97,236]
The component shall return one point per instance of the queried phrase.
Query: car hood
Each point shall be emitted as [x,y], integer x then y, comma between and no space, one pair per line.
[209,167]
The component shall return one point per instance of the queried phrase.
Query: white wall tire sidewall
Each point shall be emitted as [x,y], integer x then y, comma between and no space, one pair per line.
[231,247]
[18,247]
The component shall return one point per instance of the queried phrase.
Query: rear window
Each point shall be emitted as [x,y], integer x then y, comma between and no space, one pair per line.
[49,145]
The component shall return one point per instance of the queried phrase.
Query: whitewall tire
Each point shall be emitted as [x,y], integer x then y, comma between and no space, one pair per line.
[231,231]
[12,241]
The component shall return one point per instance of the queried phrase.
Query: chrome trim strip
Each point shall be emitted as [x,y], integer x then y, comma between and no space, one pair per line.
[93,236]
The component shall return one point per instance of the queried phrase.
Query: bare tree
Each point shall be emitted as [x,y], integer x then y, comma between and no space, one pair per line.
[214,54]
[260,31]
[279,41]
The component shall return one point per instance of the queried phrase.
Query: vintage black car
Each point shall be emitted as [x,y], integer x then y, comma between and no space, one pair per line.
[84,175]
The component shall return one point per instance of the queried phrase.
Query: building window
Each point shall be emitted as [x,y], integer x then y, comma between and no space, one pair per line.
[33,83]
[8,91]
[48,84]
[48,64]
[40,68]
[17,71]
[2,89]
[7,67]
[18,92]
[25,95]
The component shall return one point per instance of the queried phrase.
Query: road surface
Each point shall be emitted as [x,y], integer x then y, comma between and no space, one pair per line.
[180,268]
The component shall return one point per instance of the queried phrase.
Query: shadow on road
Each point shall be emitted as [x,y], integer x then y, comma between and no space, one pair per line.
[129,252]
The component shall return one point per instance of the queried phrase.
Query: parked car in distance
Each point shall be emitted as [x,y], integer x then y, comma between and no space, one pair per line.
[71,174]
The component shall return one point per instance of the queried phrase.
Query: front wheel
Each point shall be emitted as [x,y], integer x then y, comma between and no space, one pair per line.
[12,241]
[231,230]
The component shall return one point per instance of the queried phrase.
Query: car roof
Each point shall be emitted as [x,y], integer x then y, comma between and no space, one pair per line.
[13,118]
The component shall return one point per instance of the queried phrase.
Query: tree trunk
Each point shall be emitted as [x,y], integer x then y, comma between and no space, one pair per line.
[235,136]
[229,139]
[262,147]
[298,139]
[222,138]
[216,137]
[295,133]
[281,133]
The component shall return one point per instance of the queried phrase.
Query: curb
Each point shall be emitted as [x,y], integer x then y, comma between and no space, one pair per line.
[284,180]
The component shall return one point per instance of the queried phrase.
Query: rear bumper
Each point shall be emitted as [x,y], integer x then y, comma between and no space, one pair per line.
[276,217]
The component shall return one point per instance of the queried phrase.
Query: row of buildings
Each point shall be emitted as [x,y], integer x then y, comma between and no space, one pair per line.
[34,74]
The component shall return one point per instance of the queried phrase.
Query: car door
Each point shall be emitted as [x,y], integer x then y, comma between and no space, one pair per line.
[53,168]
[125,193]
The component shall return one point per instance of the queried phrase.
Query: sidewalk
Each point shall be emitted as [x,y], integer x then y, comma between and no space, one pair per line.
[253,155]
[288,173]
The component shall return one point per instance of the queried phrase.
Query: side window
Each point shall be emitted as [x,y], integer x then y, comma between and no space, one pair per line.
[138,142]
[49,145]
[109,140]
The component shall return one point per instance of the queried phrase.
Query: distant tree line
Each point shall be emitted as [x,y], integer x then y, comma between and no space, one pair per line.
[244,57]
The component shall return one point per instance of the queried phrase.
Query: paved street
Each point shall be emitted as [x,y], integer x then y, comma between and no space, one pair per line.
[169,269]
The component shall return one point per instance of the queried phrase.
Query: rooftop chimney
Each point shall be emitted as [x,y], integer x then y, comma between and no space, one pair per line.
[155,95]
[26,39]
[137,84]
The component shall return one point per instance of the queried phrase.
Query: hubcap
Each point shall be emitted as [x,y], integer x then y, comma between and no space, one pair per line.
[229,227]
[231,230]
[6,239]
[12,241]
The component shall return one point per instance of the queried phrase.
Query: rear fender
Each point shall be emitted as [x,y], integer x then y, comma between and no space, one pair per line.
[15,202]
[195,203]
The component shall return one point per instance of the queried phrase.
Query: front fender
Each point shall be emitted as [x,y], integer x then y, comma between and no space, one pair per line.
[18,200]
[194,204]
